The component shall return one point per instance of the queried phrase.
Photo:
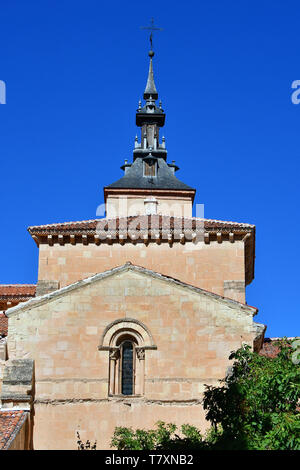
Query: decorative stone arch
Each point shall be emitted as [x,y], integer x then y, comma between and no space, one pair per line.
[113,338]
[140,329]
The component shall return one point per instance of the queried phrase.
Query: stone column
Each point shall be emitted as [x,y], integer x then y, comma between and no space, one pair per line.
[140,371]
[114,355]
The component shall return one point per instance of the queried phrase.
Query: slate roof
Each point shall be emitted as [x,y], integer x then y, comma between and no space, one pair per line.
[165,179]
[150,89]
[10,424]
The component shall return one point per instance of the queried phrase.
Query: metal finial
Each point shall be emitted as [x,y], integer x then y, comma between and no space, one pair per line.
[151,28]
[150,90]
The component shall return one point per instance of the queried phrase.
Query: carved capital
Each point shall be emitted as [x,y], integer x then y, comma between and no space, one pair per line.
[114,354]
[140,352]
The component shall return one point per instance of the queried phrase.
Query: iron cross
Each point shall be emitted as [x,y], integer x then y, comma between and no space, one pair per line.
[151,28]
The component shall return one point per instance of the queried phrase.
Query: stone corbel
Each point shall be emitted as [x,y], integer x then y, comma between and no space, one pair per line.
[61,240]
[50,240]
[121,239]
[206,238]
[158,238]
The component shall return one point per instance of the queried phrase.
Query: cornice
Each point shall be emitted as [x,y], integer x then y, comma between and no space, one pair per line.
[149,229]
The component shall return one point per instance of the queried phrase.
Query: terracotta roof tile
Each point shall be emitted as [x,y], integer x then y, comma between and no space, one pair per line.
[270,347]
[142,222]
[17,290]
[10,424]
[12,294]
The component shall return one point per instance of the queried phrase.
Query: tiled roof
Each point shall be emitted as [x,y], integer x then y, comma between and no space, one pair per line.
[17,290]
[3,324]
[10,424]
[270,347]
[142,222]
[12,294]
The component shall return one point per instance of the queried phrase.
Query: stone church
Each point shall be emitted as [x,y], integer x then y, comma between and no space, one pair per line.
[132,314]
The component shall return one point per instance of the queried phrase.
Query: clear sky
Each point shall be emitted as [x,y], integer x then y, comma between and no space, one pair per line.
[74,73]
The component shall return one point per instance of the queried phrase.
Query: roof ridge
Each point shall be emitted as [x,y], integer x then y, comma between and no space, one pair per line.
[141,216]
[128,265]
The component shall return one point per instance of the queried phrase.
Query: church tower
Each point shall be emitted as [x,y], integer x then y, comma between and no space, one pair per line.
[149,185]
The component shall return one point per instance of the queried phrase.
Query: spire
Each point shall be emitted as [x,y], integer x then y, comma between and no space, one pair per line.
[150,113]
[150,90]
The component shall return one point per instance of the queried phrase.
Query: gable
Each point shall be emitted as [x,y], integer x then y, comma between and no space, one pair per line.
[187,332]
[132,276]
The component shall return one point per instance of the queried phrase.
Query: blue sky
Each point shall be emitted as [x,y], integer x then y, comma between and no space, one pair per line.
[74,73]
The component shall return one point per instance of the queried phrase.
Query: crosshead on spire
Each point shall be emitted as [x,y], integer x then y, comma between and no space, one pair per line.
[150,91]
[151,28]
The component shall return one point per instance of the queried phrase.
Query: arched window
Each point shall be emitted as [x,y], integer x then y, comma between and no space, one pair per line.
[126,340]
[126,367]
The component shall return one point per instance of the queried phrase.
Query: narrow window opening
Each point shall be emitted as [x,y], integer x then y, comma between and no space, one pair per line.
[150,168]
[127,368]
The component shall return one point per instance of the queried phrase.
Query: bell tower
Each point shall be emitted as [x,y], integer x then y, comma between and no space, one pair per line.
[149,185]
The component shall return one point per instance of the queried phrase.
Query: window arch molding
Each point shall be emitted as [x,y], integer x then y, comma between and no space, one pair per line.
[114,336]
[126,324]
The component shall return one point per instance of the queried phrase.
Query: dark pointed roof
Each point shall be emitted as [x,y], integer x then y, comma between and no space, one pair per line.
[165,178]
[150,115]
[150,90]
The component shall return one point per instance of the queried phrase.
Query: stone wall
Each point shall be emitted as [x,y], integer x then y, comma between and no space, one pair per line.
[118,206]
[194,333]
[202,265]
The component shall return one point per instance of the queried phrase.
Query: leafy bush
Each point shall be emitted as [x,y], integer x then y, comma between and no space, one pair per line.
[258,405]
[164,437]
[255,407]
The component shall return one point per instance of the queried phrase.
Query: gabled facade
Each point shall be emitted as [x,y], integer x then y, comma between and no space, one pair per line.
[178,338]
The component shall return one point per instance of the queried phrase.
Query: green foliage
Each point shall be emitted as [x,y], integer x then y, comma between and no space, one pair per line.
[163,437]
[255,407]
[296,351]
